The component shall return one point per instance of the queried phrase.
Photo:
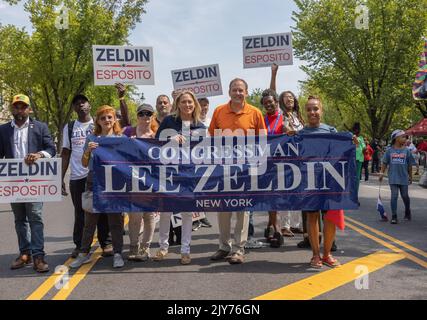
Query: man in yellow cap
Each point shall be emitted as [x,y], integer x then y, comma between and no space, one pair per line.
[28,139]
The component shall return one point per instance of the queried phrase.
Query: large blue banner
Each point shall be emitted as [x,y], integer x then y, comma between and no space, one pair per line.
[303,172]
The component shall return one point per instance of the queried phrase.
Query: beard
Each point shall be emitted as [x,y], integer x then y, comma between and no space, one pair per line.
[20,118]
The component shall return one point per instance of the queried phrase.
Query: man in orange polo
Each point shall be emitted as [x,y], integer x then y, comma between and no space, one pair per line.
[235,118]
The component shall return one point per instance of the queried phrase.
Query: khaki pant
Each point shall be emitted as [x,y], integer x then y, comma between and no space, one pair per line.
[135,222]
[240,230]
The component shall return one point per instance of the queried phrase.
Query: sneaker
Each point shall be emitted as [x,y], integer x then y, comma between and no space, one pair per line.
[236,258]
[304,244]
[253,244]
[107,251]
[196,225]
[205,223]
[133,253]
[118,261]
[219,255]
[144,254]
[393,220]
[75,253]
[277,240]
[160,255]
[407,215]
[185,258]
[268,233]
[81,259]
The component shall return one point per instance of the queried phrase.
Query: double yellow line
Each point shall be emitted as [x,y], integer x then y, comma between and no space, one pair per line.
[392,246]
[72,283]
[321,283]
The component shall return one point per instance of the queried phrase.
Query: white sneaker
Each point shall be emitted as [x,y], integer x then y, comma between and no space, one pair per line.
[81,259]
[254,244]
[144,254]
[118,261]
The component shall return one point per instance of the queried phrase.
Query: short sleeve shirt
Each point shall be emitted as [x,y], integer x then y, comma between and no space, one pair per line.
[224,118]
[398,161]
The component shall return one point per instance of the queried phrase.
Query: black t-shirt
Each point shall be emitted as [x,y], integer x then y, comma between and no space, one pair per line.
[175,123]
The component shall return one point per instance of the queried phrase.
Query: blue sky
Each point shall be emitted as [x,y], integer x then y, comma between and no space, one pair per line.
[186,33]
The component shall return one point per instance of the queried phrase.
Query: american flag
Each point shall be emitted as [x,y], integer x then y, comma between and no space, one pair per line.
[381,210]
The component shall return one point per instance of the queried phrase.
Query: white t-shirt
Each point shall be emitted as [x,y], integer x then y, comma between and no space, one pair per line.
[78,139]
[206,122]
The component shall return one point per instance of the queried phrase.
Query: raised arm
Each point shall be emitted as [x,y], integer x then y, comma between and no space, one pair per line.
[121,91]
[274,69]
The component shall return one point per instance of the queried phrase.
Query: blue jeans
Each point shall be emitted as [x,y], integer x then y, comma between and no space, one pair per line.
[395,194]
[29,227]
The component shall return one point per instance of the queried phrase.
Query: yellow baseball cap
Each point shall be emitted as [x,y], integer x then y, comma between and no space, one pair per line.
[21,98]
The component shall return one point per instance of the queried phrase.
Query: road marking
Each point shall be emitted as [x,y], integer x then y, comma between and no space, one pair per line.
[81,273]
[323,282]
[50,282]
[397,241]
[389,245]
[78,276]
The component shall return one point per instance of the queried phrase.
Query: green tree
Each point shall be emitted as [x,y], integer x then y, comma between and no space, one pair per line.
[366,74]
[53,64]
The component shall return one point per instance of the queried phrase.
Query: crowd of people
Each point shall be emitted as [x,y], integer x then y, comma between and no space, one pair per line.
[284,115]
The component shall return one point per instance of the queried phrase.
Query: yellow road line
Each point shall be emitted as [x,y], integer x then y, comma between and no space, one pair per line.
[397,241]
[81,273]
[323,282]
[78,276]
[388,245]
[50,282]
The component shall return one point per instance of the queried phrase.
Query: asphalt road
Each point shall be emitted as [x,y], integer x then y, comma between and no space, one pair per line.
[402,275]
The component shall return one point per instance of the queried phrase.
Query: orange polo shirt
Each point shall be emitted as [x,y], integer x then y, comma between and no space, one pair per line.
[248,118]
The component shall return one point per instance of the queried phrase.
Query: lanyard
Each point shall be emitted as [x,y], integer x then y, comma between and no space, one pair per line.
[275,124]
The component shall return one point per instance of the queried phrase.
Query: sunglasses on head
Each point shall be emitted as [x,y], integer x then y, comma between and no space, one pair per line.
[108,117]
[145,114]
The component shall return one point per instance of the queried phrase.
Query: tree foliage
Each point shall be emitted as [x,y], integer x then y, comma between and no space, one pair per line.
[51,65]
[366,74]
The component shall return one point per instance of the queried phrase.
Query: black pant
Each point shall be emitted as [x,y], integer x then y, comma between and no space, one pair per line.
[366,168]
[77,187]
[375,165]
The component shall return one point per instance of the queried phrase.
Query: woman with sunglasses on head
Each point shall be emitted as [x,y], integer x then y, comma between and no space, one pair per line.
[185,123]
[106,125]
[140,248]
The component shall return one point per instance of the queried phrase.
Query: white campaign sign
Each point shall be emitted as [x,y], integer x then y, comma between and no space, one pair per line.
[203,81]
[177,219]
[264,50]
[124,64]
[40,182]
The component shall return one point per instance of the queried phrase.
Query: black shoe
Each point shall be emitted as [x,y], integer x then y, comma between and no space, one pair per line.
[277,240]
[407,215]
[268,233]
[393,220]
[205,223]
[334,247]
[304,244]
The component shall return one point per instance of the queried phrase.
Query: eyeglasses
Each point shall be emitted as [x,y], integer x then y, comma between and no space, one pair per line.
[103,118]
[145,114]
